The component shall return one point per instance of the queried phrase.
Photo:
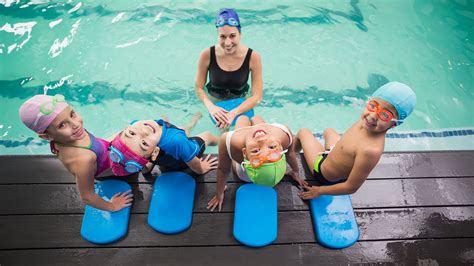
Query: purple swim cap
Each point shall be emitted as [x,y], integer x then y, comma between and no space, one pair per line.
[227,16]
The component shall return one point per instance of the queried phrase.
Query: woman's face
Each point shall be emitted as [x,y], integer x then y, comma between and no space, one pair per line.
[228,38]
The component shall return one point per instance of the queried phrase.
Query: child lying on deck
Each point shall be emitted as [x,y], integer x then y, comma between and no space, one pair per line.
[145,143]
[344,163]
[255,151]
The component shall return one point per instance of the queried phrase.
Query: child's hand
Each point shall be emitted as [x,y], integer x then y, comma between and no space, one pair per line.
[208,164]
[301,182]
[121,200]
[216,201]
[310,193]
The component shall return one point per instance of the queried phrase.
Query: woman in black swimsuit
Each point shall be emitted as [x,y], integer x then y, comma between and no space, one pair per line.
[229,64]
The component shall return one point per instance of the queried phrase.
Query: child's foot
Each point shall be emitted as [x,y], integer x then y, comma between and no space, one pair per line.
[165,118]
[192,123]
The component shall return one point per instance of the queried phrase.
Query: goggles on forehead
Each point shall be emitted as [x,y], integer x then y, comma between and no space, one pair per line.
[227,21]
[48,107]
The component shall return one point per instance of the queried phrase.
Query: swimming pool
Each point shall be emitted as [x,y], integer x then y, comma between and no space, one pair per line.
[118,61]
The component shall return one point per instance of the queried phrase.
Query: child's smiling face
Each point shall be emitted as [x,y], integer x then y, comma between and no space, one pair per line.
[142,137]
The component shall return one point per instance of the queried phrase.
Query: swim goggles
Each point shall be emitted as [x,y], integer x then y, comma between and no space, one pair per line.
[382,113]
[227,21]
[271,157]
[48,107]
[117,156]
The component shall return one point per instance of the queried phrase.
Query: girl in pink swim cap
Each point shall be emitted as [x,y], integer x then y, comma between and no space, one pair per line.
[84,155]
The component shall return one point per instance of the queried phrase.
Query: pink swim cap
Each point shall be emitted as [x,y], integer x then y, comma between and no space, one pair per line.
[122,156]
[38,112]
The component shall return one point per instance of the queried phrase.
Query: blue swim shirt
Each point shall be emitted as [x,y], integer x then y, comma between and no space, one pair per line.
[174,142]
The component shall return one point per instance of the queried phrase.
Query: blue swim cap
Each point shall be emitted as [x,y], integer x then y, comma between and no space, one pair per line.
[227,16]
[402,97]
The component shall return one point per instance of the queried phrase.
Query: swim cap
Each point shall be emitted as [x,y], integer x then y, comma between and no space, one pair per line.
[268,174]
[127,155]
[402,97]
[38,112]
[227,16]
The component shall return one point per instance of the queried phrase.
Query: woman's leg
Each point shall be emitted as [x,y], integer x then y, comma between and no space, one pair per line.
[242,121]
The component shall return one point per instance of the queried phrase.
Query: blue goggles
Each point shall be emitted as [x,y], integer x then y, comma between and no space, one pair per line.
[227,21]
[117,156]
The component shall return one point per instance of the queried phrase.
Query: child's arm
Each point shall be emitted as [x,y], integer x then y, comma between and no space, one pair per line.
[291,160]
[83,169]
[363,165]
[223,169]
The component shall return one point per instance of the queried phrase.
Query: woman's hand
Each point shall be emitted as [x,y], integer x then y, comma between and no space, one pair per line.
[230,118]
[121,200]
[218,114]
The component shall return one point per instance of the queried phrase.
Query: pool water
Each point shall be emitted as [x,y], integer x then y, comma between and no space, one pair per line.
[116,61]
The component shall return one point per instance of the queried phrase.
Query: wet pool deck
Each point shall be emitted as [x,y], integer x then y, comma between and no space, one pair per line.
[416,208]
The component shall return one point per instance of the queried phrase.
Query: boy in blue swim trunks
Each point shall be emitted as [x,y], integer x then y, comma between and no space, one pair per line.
[343,164]
[145,143]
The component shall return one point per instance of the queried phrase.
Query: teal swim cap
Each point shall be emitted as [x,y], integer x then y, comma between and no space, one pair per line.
[402,97]
[268,174]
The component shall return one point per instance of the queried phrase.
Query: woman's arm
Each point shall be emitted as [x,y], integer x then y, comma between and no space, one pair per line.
[201,77]
[257,86]
[216,112]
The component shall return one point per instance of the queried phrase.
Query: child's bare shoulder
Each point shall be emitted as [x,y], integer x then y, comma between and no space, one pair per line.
[371,151]
[73,157]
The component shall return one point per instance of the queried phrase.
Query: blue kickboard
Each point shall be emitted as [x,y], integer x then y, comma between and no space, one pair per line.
[255,218]
[231,104]
[334,221]
[103,227]
[172,202]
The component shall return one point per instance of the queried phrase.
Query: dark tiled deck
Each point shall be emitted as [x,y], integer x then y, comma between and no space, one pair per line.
[416,208]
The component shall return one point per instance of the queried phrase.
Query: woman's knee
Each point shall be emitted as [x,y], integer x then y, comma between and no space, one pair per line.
[256,119]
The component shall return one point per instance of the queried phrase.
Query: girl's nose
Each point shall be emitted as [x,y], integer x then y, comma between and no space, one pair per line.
[75,124]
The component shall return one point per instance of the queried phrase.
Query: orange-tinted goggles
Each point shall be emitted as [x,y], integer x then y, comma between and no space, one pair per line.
[382,113]
[271,157]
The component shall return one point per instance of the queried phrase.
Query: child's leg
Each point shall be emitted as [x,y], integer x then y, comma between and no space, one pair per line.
[330,138]
[311,146]
[242,121]
[187,128]
[257,120]
[209,138]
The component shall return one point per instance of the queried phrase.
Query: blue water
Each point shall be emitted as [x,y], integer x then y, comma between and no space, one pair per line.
[118,61]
